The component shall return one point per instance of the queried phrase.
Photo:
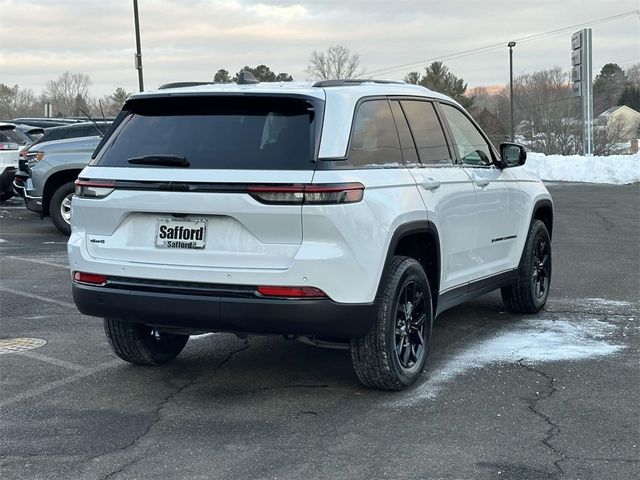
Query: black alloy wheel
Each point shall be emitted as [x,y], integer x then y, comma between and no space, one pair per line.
[411,325]
[530,290]
[540,270]
[393,354]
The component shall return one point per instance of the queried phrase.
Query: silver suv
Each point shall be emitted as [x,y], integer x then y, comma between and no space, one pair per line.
[52,168]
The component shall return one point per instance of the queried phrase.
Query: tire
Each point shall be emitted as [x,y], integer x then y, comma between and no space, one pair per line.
[141,344]
[60,207]
[390,356]
[6,195]
[529,293]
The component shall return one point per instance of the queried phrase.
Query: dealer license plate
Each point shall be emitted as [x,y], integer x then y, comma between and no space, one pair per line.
[184,233]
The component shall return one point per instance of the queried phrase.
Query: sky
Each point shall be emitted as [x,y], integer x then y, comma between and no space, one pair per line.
[191,39]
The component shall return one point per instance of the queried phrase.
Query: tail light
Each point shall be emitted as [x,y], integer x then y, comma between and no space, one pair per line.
[94,188]
[313,194]
[90,278]
[23,154]
[291,292]
[9,146]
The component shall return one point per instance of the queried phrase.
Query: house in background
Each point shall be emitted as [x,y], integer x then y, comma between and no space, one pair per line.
[616,130]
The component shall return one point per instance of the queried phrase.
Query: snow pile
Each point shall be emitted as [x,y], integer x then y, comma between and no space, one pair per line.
[615,169]
[530,341]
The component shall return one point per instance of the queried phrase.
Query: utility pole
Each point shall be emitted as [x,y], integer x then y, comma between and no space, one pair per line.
[138,59]
[511,45]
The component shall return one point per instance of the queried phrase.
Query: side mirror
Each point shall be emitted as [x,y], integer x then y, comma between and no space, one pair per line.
[512,155]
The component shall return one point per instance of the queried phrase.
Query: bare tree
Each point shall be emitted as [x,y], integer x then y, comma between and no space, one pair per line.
[546,112]
[337,62]
[633,74]
[612,136]
[68,93]
[16,102]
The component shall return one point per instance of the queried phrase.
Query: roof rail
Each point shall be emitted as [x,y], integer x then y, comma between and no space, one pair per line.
[353,81]
[182,84]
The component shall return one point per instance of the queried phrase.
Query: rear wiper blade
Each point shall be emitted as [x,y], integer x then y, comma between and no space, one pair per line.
[161,160]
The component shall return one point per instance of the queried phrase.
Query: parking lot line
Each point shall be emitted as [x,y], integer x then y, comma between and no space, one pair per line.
[52,361]
[37,297]
[47,387]
[32,260]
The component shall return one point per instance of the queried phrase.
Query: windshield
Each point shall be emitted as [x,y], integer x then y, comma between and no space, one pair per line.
[216,132]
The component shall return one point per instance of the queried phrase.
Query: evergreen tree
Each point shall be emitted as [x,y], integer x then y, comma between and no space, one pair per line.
[630,97]
[438,78]
[607,87]
[222,76]
[264,74]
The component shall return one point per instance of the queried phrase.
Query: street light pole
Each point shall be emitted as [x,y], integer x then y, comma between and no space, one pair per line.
[138,48]
[511,45]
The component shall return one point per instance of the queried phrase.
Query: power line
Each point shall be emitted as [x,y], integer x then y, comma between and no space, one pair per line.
[495,46]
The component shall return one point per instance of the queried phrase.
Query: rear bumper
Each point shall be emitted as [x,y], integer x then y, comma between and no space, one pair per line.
[320,317]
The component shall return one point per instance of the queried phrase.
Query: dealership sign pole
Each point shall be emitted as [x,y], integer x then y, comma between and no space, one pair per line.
[138,54]
[581,73]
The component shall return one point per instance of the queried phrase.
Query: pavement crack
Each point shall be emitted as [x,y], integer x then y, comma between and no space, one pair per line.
[603,459]
[157,416]
[553,428]
[233,353]
[608,224]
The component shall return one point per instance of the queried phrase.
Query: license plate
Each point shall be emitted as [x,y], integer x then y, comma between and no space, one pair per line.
[187,233]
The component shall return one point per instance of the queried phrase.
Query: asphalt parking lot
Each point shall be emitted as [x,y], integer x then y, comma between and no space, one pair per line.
[550,396]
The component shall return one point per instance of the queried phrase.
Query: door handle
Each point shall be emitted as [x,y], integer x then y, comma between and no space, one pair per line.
[479,181]
[430,184]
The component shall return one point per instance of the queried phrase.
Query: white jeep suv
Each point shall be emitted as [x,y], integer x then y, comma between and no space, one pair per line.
[340,212]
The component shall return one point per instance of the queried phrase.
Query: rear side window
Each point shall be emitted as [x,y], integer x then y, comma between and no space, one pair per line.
[427,132]
[216,132]
[374,141]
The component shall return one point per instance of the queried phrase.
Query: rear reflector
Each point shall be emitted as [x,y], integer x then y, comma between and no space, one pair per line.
[291,292]
[313,194]
[89,278]
[94,188]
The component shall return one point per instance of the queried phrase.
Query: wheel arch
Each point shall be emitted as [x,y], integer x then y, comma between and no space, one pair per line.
[419,240]
[543,211]
[55,181]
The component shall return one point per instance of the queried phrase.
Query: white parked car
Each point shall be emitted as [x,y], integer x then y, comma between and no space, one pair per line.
[341,212]
[11,142]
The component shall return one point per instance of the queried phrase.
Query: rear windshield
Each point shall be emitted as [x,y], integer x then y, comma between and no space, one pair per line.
[216,132]
[9,135]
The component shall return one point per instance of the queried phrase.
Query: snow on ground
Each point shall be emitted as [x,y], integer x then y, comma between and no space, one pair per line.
[530,341]
[614,169]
